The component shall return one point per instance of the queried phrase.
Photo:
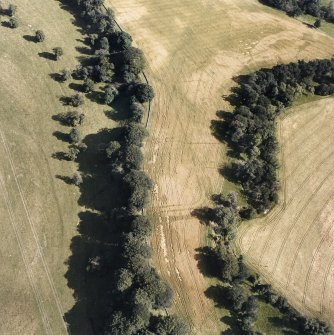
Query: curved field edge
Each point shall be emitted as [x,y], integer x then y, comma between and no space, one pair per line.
[192,59]
[291,247]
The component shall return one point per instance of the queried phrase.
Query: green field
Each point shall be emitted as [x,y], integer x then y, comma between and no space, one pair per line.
[39,212]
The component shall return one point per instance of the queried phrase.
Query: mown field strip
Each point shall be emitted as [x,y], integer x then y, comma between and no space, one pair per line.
[47,279]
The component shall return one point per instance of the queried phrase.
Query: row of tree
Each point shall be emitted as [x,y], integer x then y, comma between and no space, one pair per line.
[260,98]
[138,296]
[299,7]
[243,288]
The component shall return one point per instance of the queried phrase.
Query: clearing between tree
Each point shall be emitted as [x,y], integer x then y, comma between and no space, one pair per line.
[193,50]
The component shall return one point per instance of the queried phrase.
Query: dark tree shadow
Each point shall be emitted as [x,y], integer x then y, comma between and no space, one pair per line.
[56,77]
[47,55]
[204,214]
[228,172]
[60,118]
[96,96]
[6,24]
[288,327]
[61,136]
[66,179]
[99,231]
[76,87]
[65,100]
[29,38]
[84,50]
[62,156]
[308,25]
[207,262]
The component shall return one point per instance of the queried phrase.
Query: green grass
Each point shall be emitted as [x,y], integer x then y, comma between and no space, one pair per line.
[47,209]
[326,27]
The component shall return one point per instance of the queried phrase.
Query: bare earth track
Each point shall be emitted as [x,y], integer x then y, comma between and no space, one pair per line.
[193,50]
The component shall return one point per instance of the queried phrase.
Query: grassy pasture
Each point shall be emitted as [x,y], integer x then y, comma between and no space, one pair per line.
[193,50]
[38,211]
[293,246]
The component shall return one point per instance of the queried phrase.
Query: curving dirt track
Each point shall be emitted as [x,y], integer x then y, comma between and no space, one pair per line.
[294,246]
[193,50]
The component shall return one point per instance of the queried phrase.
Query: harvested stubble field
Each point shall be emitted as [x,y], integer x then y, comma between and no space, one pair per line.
[293,246]
[193,50]
[38,212]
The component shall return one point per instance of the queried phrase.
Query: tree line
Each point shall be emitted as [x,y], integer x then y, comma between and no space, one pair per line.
[299,7]
[243,288]
[251,129]
[137,295]
[250,132]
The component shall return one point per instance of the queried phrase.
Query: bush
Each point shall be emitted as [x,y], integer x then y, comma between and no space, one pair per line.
[73,119]
[75,136]
[112,149]
[57,52]
[137,111]
[13,23]
[134,134]
[170,325]
[133,157]
[12,10]
[141,226]
[139,185]
[65,75]
[76,100]
[77,179]
[143,92]
[73,153]
[88,85]
[39,36]
[134,61]
[317,23]
[110,93]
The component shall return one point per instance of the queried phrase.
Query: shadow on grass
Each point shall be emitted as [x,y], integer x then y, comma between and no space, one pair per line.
[57,77]
[6,24]
[61,136]
[208,262]
[76,87]
[98,236]
[65,179]
[47,55]
[84,50]
[61,156]
[30,38]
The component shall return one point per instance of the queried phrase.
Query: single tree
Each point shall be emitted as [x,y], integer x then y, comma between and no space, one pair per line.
[13,22]
[75,135]
[73,153]
[110,93]
[76,100]
[88,85]
[39,36]
[77,179]
[12,10]
[317,23]
[58,52]
[143,92]
[65,74]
